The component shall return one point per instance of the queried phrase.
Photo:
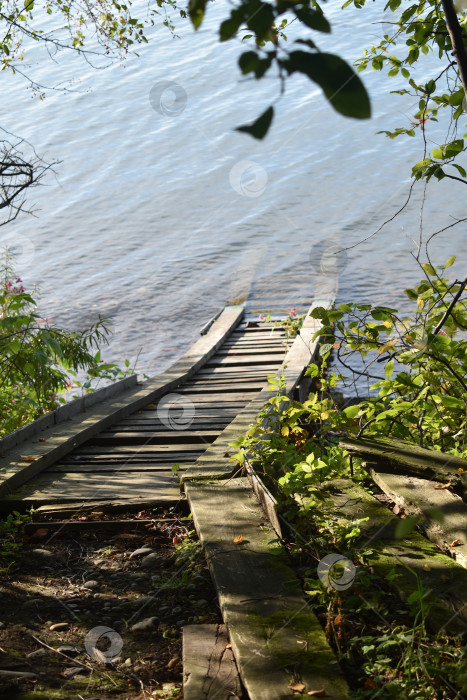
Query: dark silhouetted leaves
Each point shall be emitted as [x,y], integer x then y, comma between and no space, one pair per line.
[341,85]
[260,127]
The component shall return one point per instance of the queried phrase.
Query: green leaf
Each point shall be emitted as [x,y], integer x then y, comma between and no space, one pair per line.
[230,26]
[259,128]
[351,411]
[389,369]
[312,18]
[450,261]
[429,269]
[339,82]
[196,9]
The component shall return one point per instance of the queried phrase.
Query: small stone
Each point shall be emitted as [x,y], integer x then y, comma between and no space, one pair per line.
[91,584]
[144,600]
[177,609]
[33,602]
[59,626]
[43,553]
[181,623]
[2,625]
[151,561]
[200,602]
[38,654]
[141,552]
[145,625]
[70,650]
[127,662]
[5,673]
[75,671]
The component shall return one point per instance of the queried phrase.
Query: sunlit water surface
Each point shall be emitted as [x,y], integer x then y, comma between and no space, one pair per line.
[157,220]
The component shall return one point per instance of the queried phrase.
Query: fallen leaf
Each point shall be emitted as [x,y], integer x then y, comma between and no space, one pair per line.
[336,345]
[176,540]
[238,539]
[444,579]
[40,533]
[456,543]
[298,687]
[442,486]
[42,439]
[463,471]
[317,693]
[173,662]
[28,458]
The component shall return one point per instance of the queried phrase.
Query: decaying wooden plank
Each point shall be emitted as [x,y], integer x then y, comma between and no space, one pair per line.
[441,514]
[275,637]
[74,486]
[407,458]
[413,557]
[209,668]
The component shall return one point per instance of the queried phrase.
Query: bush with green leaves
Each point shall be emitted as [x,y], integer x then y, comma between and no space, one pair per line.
[38,360]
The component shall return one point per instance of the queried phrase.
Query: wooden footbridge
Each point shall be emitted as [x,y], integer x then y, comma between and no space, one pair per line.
[169,439]
[144,441]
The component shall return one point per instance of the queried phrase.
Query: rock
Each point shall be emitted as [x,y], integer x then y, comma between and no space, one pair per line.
[17,674]
[38,654]
[177,609]
[59,626]
[75,671]
[33,602]
[90,585]
[145,625]
[2,625]
[152,561]
[146,599]
[70,650]
[141,552]
[43,553]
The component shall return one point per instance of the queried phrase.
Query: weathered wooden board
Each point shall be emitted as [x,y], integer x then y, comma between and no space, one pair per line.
[413,557]
[408,458]
[444,514]
[173,437]
[274,636]
[209,668]
[74,486]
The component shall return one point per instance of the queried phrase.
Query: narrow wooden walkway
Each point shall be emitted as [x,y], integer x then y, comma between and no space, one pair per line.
[144,454]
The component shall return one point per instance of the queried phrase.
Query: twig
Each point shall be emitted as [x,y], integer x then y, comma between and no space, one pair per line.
[450,307]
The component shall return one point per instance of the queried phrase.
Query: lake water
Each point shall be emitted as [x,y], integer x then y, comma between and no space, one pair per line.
[159,213]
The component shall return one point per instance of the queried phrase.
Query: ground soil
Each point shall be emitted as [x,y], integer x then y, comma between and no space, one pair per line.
[40,590]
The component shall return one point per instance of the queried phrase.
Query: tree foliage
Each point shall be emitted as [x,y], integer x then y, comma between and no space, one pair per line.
[38,361]
[427,28]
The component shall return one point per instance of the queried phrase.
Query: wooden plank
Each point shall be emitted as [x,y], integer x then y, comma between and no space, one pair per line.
[404,457]
[151,438]
[220,387]
[73,486]
[442,515]
[65,437]
[413,557]
[248,360]
[209,668]
[100,467]
[265,618]
[62,413]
